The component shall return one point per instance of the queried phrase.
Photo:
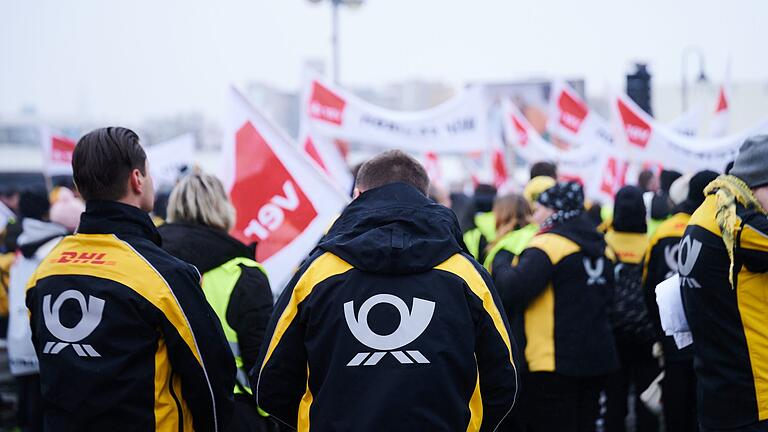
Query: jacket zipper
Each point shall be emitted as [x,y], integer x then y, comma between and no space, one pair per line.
[178,404]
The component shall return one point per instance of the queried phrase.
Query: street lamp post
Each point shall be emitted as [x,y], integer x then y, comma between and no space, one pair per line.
[683,69]
[335,4]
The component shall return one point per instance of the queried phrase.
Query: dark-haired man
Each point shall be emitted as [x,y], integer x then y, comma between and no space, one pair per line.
[389,325]
[123,333]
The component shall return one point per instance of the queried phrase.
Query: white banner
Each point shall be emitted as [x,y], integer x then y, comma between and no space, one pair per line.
[326,153]
[601,173]
[57,152]
[571,119]
[168,158]
[283,201]
[457,126]
[650,144]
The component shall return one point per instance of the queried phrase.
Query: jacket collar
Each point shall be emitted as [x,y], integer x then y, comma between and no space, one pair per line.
[111,217]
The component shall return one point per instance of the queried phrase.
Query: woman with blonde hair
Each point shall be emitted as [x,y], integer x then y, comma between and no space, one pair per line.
[199,218]
[514,227]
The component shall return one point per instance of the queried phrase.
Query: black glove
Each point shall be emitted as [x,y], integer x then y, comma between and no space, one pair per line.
[502,259]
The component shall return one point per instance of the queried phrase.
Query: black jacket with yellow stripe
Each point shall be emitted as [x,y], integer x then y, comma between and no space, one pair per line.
[125,339]
[557,296]
[389,326]
[729,323]
[660,264]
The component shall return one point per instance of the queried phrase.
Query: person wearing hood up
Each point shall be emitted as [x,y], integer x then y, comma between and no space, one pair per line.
[723,268]
[483,230]
[633,328]
[199,217]
[389,324]
[563,283]
[678,388]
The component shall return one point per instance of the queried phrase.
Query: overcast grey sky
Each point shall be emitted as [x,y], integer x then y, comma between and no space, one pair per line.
[129,60]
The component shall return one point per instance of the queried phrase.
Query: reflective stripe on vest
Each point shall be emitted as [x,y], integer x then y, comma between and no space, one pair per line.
[218,285]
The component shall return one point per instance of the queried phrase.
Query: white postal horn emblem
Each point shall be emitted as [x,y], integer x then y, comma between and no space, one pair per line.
[691,249]
[91,318]
[412,324]
[594,273]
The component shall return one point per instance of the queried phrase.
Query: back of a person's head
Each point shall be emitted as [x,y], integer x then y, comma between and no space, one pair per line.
[629,213]
[698,183]
[645,179]
[483,197]
[34,204]
[103,161]
[512,210]
[536,186]
[392,166]
[666,179]
[201,199]
[547,169]
[750,165]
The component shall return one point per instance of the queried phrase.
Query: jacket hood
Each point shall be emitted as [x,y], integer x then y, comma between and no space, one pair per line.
[188,241]
[582,232]
[35,233]
[394,229]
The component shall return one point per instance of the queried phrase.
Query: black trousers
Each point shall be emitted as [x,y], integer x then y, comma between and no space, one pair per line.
[559,403]
[30,414]
[246,418]
[678,395]
[638,369]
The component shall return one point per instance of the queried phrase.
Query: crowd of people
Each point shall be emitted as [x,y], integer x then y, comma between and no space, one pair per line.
[416,311]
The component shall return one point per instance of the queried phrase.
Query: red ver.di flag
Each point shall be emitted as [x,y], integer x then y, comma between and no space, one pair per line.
[57,152]
[284,202]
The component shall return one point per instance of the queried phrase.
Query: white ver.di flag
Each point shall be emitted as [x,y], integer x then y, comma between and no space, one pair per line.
[284,202]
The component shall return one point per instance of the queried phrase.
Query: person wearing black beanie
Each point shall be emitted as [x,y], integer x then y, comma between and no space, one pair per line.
[34,204]
[679,384]
[633,328]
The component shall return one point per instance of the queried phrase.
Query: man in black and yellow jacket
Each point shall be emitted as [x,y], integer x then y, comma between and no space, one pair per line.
[389,325]
[557,296]
[679,383]
[723,267]
[124,336]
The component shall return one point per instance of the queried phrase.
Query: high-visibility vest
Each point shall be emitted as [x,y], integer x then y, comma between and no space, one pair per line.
[513,241]
[485,227]
[218,285]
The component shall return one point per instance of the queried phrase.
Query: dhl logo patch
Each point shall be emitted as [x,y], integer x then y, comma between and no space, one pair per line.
[94,258]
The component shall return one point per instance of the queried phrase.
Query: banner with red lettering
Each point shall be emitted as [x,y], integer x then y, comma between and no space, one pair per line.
[601,173]
[284,202]
[648,143]
[571,119]
[457,126]
[57,152]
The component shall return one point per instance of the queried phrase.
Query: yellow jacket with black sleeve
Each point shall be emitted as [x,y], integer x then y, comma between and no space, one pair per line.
[557,297]
[389,325]
[125,338]
[729,321]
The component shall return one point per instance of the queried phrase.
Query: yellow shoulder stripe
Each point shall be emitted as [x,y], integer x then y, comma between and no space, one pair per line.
[325,266]
[461,267]
[753,239]
[704,216]
[628,247]
[555,246]
[107,257]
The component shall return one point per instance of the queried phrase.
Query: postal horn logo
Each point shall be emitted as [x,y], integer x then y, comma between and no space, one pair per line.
[412,324]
